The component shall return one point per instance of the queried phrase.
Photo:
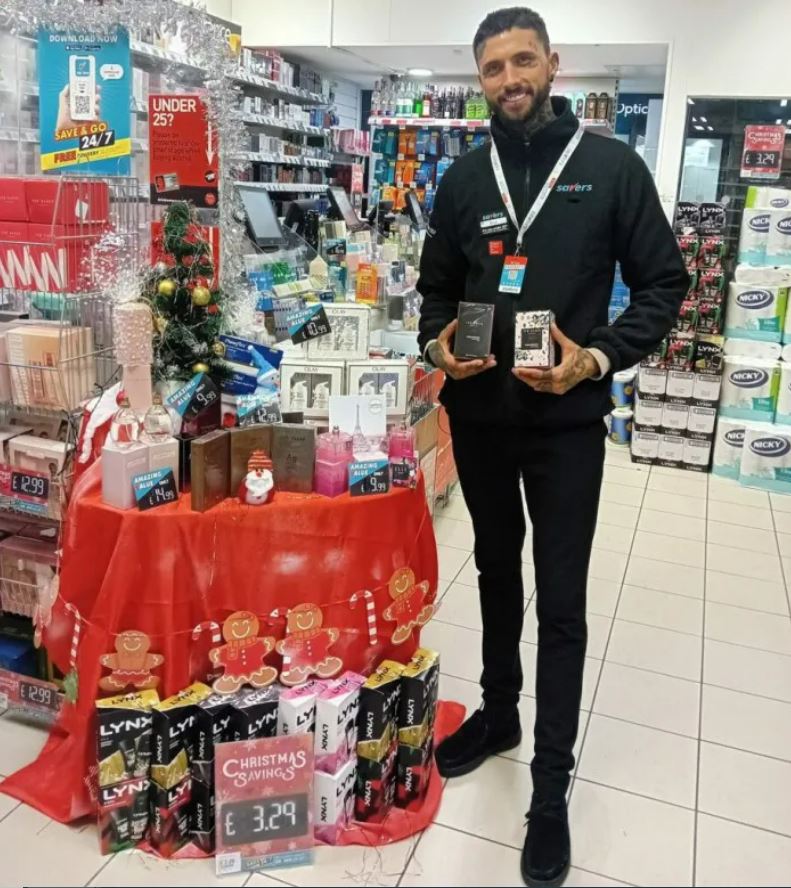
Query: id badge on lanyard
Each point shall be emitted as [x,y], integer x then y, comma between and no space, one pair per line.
[512,276]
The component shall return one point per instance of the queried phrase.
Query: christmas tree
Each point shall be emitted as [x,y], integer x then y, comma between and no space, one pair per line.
[186,303]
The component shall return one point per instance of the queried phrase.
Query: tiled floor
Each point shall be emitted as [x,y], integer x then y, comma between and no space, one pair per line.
[684,753]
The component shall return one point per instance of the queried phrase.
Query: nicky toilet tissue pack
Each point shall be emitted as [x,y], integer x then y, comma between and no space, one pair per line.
[765,237]
[756,311]
[783,414]
[766,457]
[750,387]
[728,444]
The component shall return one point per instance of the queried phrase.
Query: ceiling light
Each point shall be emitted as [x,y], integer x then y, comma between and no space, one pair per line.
[783,103]
[710,128]
[778,120]
[698,126]
[703,120]
[419,72]
[690,101]
[694,119]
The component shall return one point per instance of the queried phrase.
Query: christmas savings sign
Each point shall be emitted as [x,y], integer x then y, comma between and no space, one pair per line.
[183,150]
[264,803]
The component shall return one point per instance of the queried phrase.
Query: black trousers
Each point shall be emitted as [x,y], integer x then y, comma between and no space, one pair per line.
[562,473]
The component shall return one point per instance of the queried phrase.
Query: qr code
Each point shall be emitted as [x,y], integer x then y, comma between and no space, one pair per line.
[82,105]
[228,863]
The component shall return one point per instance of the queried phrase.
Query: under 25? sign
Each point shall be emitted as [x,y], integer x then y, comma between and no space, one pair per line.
[183,150]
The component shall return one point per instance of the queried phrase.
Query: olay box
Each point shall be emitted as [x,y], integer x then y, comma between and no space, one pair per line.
[63,202]
[337,709]
[255,713]
[174,733]
[13,200]
[170,816]
[297,708]
[333,802]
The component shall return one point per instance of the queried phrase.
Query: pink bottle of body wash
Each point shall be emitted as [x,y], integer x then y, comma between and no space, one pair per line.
[333,455]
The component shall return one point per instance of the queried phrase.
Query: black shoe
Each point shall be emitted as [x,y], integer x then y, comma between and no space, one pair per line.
[479,737]
[547,852]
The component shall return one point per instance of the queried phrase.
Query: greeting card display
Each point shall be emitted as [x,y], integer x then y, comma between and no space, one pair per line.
[264,803]
[242,655]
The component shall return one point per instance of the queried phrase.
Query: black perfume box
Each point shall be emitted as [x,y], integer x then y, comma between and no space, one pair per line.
[255,713]
[473,337]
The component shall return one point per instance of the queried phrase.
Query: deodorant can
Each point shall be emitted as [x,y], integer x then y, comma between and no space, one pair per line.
[621,425]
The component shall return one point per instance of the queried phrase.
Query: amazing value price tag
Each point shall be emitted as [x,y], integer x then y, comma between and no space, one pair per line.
[264,803]
[369,476]
[307,323]
[193,398]
[154,489]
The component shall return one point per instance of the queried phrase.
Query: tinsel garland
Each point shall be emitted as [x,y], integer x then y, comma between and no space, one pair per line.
[206,48]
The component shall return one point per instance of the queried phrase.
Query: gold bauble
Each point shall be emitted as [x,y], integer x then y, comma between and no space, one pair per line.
[200,367]
[201,296]
[166,288]
[219,349]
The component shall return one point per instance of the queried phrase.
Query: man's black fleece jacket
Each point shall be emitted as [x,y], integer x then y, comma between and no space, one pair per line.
[604,208]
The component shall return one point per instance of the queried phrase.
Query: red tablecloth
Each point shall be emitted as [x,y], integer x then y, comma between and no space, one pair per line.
[166,570]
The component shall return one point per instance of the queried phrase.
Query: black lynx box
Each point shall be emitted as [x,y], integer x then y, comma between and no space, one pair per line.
[417,703]
[174,734]
[375,787]
[123,736]
[170,816]
[376,719]
[202,816]
[123,814]
[214,723]
[473,337]
[255,713]
[413,769]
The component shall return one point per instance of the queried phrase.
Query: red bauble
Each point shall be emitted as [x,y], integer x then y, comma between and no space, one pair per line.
[213,309]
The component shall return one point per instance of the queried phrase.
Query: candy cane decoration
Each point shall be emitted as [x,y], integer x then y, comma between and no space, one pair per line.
[75,640]
[211,626]
[370,611]
[275,615]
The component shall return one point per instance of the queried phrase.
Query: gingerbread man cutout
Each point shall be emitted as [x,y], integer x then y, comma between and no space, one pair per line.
[409,607]
[131,664]
[242,657]
[306,647]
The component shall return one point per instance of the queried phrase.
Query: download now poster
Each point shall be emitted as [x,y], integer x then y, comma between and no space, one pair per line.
[183,150]
[84,86]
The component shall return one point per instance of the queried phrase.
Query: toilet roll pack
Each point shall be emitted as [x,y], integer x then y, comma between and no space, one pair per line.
[765,237]
[766,457]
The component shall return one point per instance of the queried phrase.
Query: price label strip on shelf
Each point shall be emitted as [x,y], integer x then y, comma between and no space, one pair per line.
[264,800]
[24,489]
[369,476]
[307,323]
[193,398]
[154,489]
[21,693]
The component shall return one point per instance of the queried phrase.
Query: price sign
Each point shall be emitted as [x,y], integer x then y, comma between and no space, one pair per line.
[307,323]
[763,151]
[29,695]
[255,409]
[369,476]
[195,397]
[38,694]
[264,803]
[25,490]
[154,489]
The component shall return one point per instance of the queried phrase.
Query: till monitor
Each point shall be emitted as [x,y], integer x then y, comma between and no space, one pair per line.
[296,213]
[340,203]
[262,224]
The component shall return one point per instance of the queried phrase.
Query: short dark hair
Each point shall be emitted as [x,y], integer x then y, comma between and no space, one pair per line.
[511,17]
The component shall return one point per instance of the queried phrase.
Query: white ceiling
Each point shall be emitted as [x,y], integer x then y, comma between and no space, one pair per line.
[364,64]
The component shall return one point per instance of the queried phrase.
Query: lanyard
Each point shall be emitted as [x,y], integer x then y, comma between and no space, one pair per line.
[497,169]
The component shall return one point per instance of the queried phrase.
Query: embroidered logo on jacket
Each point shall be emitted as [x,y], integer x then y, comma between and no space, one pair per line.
[575,187]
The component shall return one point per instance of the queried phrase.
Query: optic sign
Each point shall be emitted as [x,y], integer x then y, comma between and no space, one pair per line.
[183,150]
[631,112]
[264,803]
[763,152]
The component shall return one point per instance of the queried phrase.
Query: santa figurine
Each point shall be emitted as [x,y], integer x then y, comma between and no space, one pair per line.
[258,485]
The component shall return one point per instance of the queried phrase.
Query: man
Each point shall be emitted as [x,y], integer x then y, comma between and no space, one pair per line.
[570,209]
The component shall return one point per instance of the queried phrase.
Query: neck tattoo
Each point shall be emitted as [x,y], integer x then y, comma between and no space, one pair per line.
[544,115]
